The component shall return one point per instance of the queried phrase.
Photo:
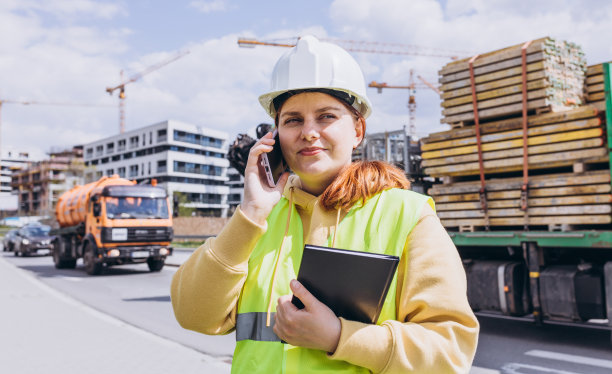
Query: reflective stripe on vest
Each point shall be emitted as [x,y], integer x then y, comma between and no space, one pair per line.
[382,225]
[252,326]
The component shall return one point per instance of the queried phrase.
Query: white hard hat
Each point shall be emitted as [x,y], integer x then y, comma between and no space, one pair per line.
[313,65]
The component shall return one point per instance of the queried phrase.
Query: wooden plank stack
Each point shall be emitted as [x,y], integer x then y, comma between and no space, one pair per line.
[594,87]
[569,174]
[554,140]
[555,76]
[559,199]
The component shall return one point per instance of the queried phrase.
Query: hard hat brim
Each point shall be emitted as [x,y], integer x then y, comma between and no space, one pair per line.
[362,104]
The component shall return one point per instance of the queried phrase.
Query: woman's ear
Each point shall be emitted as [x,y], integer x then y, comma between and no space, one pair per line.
[359,131]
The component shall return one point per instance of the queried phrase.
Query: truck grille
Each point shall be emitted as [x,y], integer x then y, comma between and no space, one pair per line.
[140,234]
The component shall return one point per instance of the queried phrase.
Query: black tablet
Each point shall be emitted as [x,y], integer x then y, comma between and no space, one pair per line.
[353,284]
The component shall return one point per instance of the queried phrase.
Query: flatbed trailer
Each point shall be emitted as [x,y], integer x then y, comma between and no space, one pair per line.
[551,260]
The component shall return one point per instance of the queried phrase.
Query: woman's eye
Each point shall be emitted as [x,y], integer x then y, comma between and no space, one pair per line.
[292,121]
[328,116]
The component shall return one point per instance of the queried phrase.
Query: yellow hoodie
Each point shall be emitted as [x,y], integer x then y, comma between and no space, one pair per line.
[436,331]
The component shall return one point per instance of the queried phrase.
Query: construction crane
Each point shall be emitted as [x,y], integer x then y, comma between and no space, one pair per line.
[411,154]
[134,78]
[411,87]
[361,46]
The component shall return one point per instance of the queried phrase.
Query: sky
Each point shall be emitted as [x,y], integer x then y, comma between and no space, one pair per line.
[70,51]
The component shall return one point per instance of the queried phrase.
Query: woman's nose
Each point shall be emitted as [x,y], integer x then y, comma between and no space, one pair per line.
[310,130]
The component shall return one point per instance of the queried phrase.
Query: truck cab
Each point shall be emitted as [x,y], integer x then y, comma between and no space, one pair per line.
[128,224]
[113,222]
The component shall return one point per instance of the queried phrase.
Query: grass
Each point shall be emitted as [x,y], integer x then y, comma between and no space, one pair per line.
[187,244]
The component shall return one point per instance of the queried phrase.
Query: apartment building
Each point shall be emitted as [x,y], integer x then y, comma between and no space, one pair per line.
[11,162]
[40,184]
[189,161]
[236,189]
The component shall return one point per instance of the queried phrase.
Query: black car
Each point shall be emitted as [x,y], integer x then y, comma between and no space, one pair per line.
[8,242]
[33,239]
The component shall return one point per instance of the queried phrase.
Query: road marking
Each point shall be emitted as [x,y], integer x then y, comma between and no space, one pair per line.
[479,370]
[571,358]
[515,368]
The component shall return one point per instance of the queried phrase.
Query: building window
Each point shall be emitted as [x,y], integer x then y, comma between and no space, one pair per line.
[121,172]
[133,171]
[150,137]
[202,140]
[110,148]
[121,145]
[99,150]
[98,174]
[110,172]
[89,152]
[190,167]
[162,135]
[161,166]
[149,168]
[144,139]
[134,142]
[104,160]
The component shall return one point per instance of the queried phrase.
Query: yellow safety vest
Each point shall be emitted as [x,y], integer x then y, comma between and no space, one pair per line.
[381,226]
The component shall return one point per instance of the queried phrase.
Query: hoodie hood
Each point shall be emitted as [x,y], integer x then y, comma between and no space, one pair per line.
[301,198]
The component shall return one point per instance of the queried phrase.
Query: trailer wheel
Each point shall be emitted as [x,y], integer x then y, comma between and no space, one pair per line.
[58,251]
[155,265]
[92,267]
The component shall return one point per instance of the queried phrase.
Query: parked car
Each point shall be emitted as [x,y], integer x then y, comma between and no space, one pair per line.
[33,239]
[8,242]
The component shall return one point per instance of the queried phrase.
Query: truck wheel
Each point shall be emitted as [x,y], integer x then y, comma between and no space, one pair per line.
[155,265]
[92,267]
[61,263]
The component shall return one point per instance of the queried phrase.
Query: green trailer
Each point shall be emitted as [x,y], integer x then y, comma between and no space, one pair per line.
[566,276]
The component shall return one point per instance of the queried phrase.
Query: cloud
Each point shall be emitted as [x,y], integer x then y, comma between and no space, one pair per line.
[51,58]
[209,6]
[69,51]
[473,26]
[71,9]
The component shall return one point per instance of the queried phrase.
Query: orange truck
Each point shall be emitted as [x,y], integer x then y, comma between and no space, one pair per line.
[112,221]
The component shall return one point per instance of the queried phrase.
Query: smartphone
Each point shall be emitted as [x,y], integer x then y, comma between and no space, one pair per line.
[272,163]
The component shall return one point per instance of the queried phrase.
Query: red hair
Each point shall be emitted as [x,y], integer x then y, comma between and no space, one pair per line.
[360,181]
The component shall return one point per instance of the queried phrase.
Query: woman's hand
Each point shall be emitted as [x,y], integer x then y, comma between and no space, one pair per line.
[259,198]
[315,326]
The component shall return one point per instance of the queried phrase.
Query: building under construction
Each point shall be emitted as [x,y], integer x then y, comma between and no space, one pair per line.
[41,183]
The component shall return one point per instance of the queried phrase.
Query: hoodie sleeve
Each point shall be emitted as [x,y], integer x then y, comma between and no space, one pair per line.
[436,330]
[205,288]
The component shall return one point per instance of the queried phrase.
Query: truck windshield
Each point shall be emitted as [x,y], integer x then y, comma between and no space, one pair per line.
[136,207]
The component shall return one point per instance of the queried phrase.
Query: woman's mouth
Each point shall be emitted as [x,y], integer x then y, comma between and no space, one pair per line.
[310,151]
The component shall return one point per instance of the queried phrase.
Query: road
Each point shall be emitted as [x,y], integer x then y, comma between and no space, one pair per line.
[136,296]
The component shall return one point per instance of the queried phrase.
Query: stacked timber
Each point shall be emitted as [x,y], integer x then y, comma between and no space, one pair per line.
[559,199]
[594,86]
[555,82]
[554,140]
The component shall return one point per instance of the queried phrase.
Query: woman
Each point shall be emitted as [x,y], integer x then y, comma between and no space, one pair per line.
[244,278]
